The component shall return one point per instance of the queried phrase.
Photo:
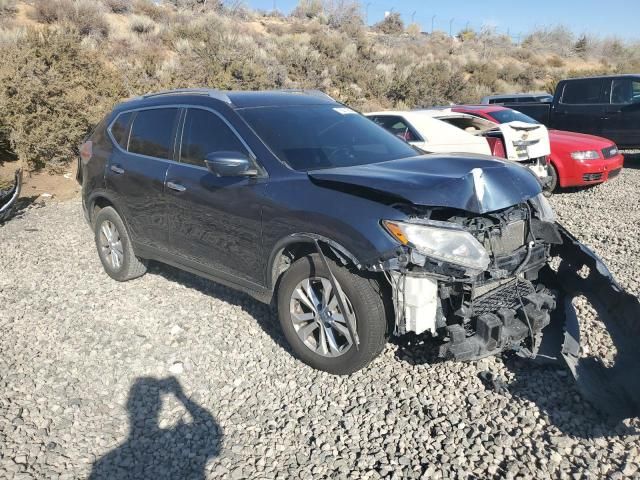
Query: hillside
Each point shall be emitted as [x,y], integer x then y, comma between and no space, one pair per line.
[68,61]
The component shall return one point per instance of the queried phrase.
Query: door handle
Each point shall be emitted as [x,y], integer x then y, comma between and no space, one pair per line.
[176,187]
[117,169]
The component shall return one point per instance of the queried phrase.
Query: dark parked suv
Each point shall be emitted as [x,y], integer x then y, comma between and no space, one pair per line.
[297,199]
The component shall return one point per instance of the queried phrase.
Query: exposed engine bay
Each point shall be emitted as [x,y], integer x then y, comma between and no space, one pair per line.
[480,313]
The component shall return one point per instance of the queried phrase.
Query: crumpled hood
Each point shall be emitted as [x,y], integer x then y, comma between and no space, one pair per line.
[474,183]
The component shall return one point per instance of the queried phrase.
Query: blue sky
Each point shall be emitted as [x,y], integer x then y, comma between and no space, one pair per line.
[604,18]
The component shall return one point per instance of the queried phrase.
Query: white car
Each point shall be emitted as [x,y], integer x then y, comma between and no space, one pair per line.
[445,131]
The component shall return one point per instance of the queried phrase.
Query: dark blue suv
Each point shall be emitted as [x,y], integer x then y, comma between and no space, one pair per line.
[297,199]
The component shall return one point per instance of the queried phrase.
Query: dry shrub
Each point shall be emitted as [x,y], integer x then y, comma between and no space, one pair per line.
[392,24]
[141,24]
[150,9]
[118,6]
[52,92]
[8,7]
[86,16]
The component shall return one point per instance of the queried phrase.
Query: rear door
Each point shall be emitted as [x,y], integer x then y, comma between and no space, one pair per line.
[582,105]
[621,121]
[137,169]
[214,222]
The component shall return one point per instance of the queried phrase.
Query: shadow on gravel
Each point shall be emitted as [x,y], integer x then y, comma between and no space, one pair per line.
[262,313]
[554,391]
[550,387]
[154,452]
[632,160]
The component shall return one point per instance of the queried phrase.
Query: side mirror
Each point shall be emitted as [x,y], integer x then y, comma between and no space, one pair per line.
[230,164]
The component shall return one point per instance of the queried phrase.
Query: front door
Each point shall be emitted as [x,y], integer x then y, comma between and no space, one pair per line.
[582,106]
[137,170]
[622,117]
[214,222]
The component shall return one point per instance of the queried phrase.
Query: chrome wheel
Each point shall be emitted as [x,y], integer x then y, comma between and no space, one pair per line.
[111,245]
[317,318]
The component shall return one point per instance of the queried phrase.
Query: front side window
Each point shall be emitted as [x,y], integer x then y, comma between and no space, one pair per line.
[120,129]
[625,91]
[398,126]
[313,137]
[152,132]
[205,132]
[583,92]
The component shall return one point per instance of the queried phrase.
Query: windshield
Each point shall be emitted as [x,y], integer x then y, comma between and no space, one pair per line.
[506,116]
[324,136]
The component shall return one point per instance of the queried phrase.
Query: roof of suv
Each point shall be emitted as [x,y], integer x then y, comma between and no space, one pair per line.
[237,99]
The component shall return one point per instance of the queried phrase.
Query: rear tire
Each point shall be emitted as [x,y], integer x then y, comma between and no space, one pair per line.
[364,296]
[114,247]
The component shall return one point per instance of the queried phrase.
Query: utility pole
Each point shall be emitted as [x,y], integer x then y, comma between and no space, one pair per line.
[433,20]
[275,6]
[366,13]
[413,15]
[451,27]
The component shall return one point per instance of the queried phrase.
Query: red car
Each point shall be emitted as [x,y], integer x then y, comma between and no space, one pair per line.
[576,159]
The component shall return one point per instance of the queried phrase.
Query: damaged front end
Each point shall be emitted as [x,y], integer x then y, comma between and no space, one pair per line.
[493,290]
[483,295]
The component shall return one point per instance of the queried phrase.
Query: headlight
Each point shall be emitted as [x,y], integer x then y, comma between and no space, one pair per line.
[544,208]
[441,243]
[586,155]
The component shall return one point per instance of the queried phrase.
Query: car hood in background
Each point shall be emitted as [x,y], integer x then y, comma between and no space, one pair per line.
[474,183]
[578,141]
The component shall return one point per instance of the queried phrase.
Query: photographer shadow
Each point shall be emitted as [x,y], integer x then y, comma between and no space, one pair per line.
[181,451]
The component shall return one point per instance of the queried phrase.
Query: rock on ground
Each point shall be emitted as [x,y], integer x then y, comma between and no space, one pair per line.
[81,357]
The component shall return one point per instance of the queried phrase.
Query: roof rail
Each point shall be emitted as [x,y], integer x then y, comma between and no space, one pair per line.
[314,93]
[217,94]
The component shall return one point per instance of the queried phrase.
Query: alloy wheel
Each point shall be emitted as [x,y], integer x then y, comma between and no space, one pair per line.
[317,318]
[111,245]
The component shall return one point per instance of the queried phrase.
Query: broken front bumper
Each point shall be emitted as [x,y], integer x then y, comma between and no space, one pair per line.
[614,390]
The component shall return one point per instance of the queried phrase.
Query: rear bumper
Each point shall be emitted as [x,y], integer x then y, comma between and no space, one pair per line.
[593,172]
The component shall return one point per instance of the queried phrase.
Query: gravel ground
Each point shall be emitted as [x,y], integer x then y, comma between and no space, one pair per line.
[171,376]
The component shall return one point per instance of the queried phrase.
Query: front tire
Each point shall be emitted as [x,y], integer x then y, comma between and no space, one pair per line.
[114,247]
[313,324]
[553,184]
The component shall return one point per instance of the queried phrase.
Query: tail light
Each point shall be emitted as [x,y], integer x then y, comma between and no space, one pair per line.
[86,151]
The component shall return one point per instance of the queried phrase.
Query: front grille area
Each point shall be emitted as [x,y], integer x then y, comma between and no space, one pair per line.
[504,296]
[508,239]
[592,177]
[609,152]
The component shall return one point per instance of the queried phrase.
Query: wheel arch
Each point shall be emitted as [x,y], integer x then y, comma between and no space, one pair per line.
[560,169]
[298,245]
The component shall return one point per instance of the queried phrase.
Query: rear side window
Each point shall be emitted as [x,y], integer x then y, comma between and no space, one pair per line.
[503,100]
[205,132]
[583,92]
[152,132]
[625,91]
[120,129]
